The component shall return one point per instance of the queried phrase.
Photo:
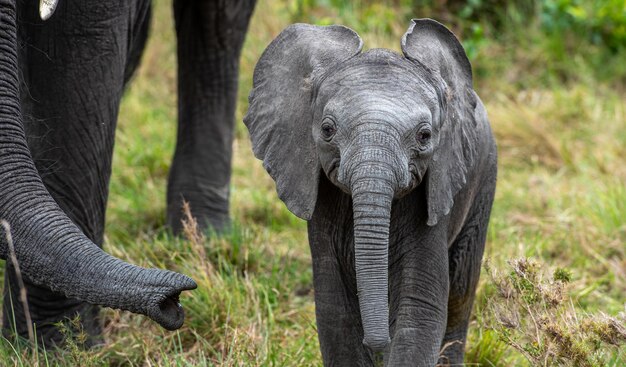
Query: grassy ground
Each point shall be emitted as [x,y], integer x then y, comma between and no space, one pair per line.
[560,121]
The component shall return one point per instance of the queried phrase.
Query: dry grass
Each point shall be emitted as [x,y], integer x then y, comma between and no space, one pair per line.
[536,316]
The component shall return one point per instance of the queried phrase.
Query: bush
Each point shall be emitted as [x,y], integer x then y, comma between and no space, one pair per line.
[534,315]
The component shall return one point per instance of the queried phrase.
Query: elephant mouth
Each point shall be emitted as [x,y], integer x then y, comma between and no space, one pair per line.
[334,169]
[333,176]
[415,180]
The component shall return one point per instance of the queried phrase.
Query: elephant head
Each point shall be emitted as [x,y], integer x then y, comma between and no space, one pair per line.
[378,124]
[50,249]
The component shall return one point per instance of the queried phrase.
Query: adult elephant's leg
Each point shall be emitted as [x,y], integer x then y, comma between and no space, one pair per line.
[465,257]
[72,69]
[418,286]
[210,35]
[337,310]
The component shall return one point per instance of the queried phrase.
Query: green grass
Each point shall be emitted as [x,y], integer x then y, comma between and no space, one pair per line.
[559,115]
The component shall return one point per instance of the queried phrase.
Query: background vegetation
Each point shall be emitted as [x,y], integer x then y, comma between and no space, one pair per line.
[552,74]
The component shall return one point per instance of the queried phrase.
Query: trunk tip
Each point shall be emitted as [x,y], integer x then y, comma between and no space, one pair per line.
[186,283]
[167,310]
[377,343]
[170,313]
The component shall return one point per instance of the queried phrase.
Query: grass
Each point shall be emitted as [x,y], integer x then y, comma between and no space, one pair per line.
[559,117]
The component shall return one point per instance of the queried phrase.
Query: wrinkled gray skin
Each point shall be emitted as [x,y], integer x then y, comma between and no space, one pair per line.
[66,76]
[398,218]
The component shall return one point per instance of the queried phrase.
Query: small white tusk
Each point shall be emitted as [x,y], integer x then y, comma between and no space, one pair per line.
[46,8]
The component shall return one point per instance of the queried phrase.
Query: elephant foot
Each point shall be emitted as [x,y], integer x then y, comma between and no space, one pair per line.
[56,319]
[207,205]
[452,349]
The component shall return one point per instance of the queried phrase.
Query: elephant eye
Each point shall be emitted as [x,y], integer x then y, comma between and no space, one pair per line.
[423,137]
[329,128]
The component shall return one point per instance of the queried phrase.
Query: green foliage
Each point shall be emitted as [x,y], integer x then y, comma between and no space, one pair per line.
[368,15]
[550,34]
[597,21]
[600,22]
[562,275]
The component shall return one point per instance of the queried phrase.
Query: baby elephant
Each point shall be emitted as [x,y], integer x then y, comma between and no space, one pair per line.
[397,220]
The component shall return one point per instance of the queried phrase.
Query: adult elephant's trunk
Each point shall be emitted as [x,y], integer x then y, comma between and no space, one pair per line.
[372,193]
[49,248]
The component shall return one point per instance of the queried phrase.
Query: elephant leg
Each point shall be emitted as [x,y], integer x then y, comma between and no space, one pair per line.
[339,326]
[210,35]
[337,310]
[418,291]
[465,256]
[73,68]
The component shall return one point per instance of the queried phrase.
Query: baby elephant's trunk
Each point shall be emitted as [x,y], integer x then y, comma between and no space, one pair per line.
[374,170]
[372,193]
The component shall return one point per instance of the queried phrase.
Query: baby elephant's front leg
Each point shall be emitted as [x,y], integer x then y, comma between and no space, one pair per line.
[419,297]
[338,319]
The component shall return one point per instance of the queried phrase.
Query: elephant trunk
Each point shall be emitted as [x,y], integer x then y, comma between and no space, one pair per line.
[50,249]
[372,193]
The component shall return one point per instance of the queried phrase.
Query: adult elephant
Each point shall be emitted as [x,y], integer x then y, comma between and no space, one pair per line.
[55,164]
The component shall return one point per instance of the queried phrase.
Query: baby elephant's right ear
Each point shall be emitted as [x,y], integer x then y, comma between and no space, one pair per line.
[280,115]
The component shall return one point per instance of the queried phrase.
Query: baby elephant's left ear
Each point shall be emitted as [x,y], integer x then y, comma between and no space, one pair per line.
[431,44]
[435,46]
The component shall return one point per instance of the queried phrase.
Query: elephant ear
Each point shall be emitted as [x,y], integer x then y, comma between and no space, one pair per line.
[435,47]
[280,114]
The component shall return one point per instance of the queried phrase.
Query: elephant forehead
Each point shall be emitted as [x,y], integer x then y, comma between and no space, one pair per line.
[380,67]
[392,105]
[375,74]
[378,84]
[392,101]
